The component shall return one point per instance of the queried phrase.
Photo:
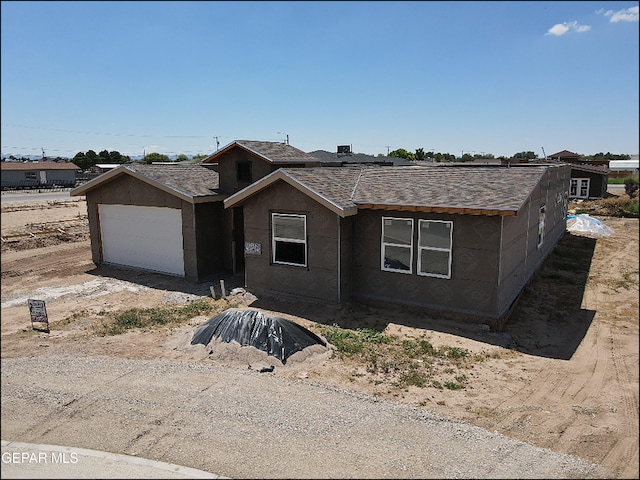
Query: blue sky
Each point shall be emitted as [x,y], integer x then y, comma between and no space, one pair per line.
[168,77]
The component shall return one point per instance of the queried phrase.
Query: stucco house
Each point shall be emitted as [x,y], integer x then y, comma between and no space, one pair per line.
[170,218]
[38,174]
[464,240]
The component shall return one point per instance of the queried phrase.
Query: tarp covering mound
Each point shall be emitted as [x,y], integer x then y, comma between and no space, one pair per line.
[277,336]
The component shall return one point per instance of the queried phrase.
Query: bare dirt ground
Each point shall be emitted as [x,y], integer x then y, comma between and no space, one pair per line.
[563,374]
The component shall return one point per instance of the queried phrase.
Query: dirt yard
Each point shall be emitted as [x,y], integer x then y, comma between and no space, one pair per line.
[563,374]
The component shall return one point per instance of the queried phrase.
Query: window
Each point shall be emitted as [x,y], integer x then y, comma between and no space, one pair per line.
[289,239]
[435,238]
[30,175]
[244,172]
[579,188]
[397,244]
[541,225]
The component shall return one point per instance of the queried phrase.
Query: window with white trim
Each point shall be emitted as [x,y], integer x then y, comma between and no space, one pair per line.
[435,240]
[289,239]
[579,187]
[397,244]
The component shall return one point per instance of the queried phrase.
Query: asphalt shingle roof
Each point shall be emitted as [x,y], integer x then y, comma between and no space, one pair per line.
[277,152]
[190,180]
[434,187]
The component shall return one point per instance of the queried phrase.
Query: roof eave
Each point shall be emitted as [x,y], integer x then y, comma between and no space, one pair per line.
[439,209]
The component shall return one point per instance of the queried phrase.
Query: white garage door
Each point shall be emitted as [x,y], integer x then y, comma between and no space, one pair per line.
[143,237]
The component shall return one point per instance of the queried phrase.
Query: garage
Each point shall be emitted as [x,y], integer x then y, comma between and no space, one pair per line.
[142,237]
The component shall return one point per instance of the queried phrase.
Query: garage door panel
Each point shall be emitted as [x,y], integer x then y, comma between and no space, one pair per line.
[143,237]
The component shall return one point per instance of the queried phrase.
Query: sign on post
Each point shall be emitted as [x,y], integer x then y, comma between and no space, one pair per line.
[38,312]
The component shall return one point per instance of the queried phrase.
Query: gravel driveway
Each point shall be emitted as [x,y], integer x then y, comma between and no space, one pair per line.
[245,424]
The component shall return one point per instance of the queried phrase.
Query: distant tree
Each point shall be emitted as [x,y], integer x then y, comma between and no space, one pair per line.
[105,156]
[402,153]
[117,157]
[608,156]
[466,158]
[182,158]
[530,155]
[81,160]
[155,157]
[198,158]
[420,155]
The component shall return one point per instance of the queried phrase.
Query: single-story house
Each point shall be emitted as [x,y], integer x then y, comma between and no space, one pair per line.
[170,217]
[588,181]
[461,239]
[338,159]
[38,174]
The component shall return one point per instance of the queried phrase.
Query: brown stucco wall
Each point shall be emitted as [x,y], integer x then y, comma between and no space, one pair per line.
[319,280]
[474,270]
[126,190]
[209,238]
[227,169]
[521,256]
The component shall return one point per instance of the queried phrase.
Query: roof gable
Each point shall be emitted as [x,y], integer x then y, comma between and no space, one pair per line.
[192,183]
[272,152]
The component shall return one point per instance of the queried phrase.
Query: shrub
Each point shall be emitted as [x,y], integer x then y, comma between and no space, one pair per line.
[631,187]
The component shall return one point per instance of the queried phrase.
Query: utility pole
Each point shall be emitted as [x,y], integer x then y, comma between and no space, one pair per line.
[388,147]
[217,143]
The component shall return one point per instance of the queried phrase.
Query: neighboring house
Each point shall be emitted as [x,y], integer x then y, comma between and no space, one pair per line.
[328,159]
[461,239]
[38,174]
[170,217]
[565,156]
[588,181]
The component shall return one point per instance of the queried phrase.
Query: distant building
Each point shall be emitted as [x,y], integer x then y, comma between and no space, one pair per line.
[38,174]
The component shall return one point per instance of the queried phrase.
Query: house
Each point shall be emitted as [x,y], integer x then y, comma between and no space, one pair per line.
[565,156]
[170,217]
[462,240]
[38,174]
[588,181]
[340,159]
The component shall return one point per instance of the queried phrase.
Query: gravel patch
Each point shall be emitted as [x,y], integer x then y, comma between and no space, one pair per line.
[246,424]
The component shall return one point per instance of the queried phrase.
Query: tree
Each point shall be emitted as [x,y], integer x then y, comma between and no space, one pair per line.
[155,157]
[105,156]
[530,155]
[198,158]
[117,157]
[182,158]
[420,155]
[402,153]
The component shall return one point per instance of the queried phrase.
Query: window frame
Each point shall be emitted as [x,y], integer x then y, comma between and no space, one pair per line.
[31,175]
[275,239]
[438,249]
[578,182]
[384,244]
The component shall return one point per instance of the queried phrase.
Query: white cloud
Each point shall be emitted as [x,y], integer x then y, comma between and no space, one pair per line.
[560,29]
[625,15]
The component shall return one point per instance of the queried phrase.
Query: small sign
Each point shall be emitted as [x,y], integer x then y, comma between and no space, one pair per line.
[252,248]
[38,312]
